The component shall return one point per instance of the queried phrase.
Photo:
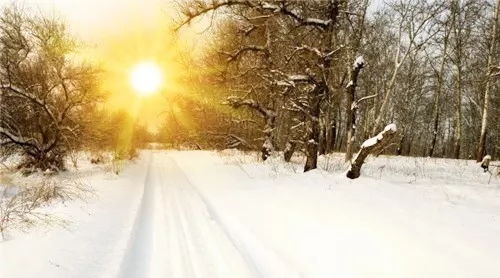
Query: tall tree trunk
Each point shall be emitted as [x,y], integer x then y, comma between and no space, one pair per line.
[437,99]
[353,70]
[458,115]
[319,92]
[484,122]
[351,106]
[458,87]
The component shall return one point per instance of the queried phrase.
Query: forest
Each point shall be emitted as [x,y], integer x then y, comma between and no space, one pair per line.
[317,77]
[305,77]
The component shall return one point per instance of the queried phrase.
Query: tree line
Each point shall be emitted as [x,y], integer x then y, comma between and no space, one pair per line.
[310,77]
[324,76]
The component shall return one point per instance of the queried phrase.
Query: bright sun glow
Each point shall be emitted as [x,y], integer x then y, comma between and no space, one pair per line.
[146,78]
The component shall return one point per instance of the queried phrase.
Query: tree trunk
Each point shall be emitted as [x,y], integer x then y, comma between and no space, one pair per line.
[268,145]
[322,139]
[484,122]
[313,137]
[458,93]
[289,150]
[52,160]
[351,106]
[399,151]
[338,137]
[331,136]
[373,145]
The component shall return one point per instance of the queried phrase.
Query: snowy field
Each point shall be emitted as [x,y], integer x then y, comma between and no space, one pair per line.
[225,214]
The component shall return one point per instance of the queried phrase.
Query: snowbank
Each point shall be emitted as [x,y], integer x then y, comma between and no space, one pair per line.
[405,217]
[435,218]
[93,242]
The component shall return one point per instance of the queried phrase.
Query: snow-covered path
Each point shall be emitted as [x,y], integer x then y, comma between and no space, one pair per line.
[175,234]
[197,214]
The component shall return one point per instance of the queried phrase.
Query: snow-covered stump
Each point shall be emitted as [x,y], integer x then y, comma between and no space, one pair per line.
[485,163]
[372,145]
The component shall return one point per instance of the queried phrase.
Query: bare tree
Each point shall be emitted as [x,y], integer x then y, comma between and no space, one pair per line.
[414,19]
[43,91]
[489,69]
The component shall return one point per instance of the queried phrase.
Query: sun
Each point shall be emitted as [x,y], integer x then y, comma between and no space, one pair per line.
[146,78]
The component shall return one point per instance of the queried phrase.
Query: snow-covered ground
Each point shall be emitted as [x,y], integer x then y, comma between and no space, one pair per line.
[224,214]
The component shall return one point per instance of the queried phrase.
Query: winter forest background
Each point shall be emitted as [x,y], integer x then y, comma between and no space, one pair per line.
[323,76]
[301,77]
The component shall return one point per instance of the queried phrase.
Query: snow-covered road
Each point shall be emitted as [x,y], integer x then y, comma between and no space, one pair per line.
[175,233]
[206,214]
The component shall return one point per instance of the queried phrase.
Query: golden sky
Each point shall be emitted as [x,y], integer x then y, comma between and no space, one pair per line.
[120,34]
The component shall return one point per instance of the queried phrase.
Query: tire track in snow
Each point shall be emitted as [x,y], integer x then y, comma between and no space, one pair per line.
[174,234]
[137,253]
[264,261]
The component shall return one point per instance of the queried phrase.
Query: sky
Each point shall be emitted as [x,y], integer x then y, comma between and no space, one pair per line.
[93,19]
[117,35]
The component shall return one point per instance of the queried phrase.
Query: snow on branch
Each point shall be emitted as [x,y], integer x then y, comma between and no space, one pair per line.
[359,63]
[199,8]
[233,140]
[15,139]
[237,102]
[320,54]
[248,48]
[299,78]
[306,21]
[291,79]
[357,102]
[495,71]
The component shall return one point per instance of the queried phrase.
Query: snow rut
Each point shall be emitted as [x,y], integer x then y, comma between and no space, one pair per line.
[174,234]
